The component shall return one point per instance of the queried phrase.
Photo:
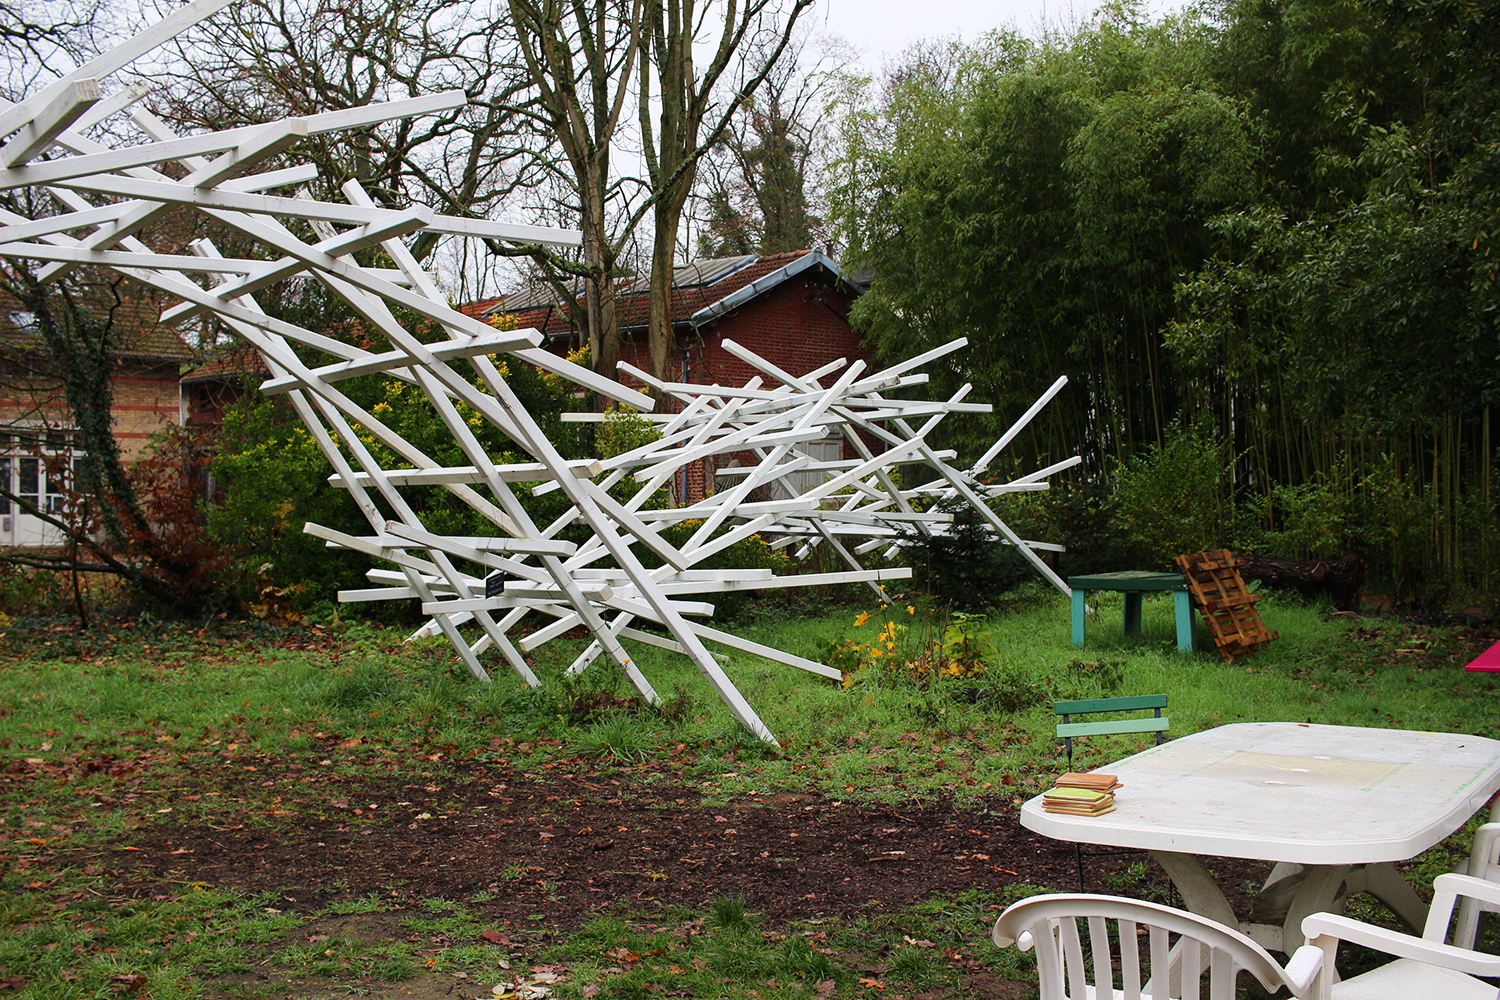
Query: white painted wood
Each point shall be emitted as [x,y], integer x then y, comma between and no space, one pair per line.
[601,584]
[36,136]
[109,62]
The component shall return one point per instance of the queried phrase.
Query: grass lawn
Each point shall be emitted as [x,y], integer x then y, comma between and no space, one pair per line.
[132,732]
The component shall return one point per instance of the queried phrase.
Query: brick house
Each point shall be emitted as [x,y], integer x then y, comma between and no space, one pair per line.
[211,388]
[790,308]
[36,423]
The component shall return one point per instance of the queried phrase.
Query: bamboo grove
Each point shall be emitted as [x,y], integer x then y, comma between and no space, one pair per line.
[1260,230]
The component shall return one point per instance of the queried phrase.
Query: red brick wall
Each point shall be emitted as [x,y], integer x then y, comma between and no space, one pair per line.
[145,399]
[798,326]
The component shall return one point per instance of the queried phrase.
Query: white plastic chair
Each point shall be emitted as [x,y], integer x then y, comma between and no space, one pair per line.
[1425,969]
[1484,862]
[1179,948]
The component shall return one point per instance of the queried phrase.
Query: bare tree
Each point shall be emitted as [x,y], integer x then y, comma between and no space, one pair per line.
[760,184]
[265,59]
[581,57]
[38,38]
[683,114]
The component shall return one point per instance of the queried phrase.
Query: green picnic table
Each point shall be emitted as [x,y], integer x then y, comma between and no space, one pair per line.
[1134,583]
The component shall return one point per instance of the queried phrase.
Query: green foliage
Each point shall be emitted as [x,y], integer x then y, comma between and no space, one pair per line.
[1270,222]
[621,739]
[1044,199]
[910,651]
[729,913]
[1176,498]
[968,565]
[624,430]
[275,478]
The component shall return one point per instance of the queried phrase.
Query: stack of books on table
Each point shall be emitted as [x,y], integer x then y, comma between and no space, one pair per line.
[1082,795]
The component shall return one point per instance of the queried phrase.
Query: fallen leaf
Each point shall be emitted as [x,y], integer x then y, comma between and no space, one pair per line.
[495,937]
[126,982]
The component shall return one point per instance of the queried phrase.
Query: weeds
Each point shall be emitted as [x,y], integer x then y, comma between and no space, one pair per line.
[105,735]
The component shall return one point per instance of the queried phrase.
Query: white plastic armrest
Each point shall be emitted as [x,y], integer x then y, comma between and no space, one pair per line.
[1448,890]
[1001,939]
[1469,885]
[1303,967]
[1023,941]
[1401,945]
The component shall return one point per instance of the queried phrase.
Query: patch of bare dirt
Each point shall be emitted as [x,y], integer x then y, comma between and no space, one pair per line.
[553,854]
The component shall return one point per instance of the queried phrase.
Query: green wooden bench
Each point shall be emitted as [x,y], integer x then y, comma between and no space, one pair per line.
[1067,729]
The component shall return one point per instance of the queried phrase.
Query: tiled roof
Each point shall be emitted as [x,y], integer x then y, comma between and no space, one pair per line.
[700,287]
[135,321]
[226,362]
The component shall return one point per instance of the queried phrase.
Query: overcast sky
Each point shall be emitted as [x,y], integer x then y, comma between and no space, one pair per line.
[882,28]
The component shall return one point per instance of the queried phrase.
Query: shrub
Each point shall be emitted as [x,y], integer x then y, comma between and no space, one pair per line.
[967,565]
[624,430]
[906,650]
[274,477]
[1176,498]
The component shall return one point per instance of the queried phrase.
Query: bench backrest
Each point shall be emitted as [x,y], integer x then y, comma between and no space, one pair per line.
[1067,728]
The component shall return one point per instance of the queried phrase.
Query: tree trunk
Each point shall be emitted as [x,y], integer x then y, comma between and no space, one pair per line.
[1339,578]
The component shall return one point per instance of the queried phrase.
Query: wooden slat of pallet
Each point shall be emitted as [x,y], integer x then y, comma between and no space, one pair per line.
[1214,581]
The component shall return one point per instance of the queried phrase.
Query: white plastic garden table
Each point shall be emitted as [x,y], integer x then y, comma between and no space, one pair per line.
[1334,806]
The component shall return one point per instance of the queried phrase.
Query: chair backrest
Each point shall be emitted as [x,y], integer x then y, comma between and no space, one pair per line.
[1131,929]
[1483,863]
[1067,729]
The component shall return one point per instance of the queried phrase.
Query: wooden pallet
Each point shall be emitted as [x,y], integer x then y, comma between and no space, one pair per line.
[1213,580]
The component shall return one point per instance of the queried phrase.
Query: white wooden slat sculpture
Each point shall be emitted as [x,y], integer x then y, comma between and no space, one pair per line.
[113,195]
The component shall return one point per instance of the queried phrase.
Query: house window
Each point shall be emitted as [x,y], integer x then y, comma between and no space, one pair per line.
[40,480]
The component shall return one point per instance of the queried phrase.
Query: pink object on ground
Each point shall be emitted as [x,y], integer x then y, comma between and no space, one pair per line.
[1488,660]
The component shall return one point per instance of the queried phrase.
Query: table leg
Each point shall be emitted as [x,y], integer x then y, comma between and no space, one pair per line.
[1132,612]
[1078,612]
[1186,634]
[1388,885]
[1323,891]
[1200,894]
[1300,889]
